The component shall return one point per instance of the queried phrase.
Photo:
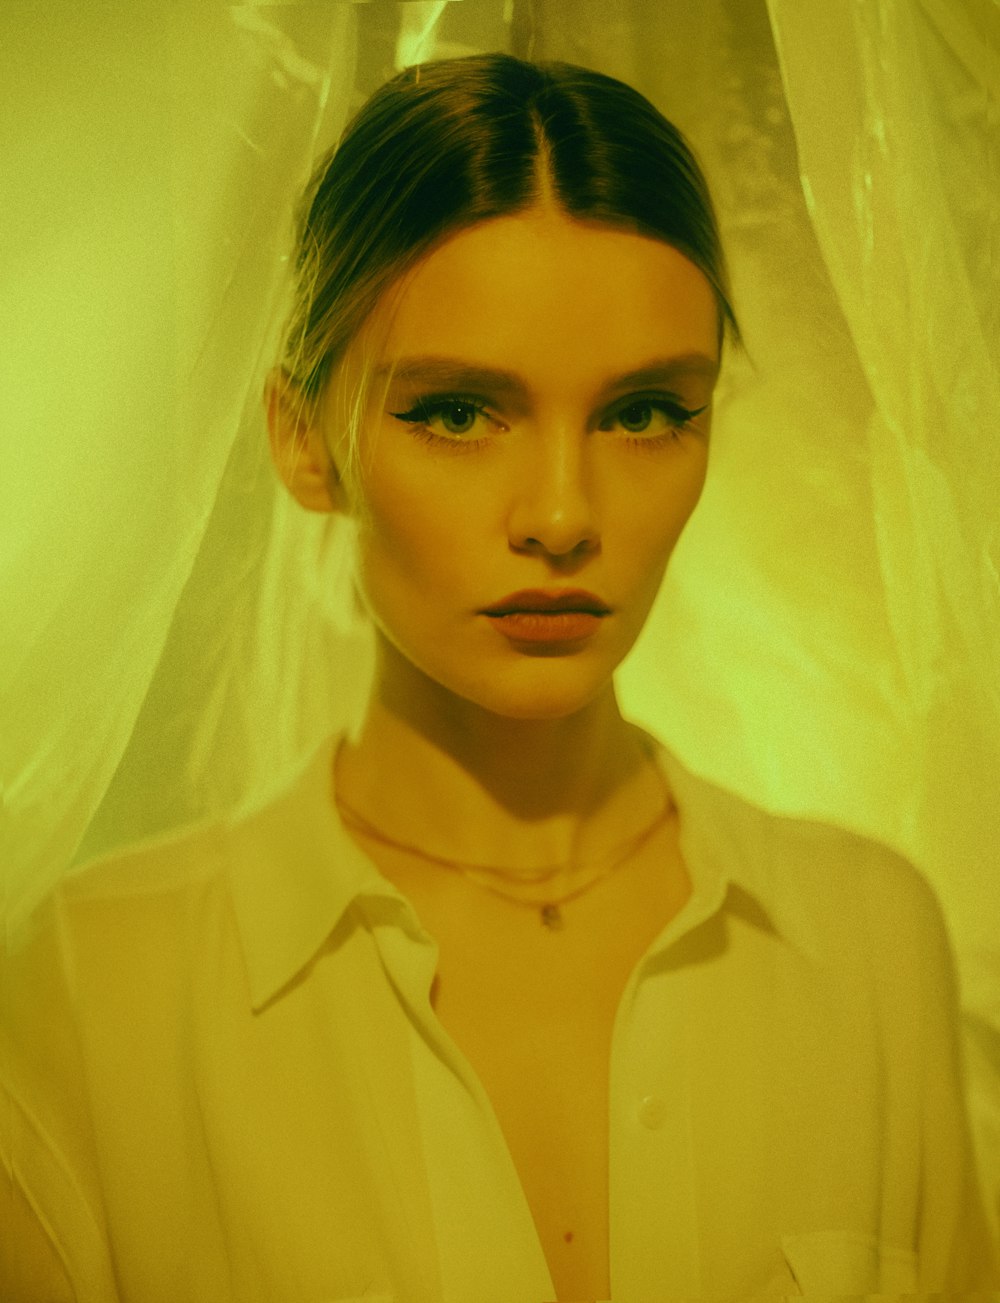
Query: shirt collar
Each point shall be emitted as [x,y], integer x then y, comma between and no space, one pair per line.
[294,871]
[734,849]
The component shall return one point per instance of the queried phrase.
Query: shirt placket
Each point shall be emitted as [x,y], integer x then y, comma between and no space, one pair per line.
[488,1247]
[653,1232]
[653,1227]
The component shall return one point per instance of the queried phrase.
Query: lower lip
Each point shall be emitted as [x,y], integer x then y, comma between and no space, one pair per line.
[547,626]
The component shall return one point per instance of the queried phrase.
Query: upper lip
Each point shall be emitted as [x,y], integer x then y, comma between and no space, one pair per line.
[537,599]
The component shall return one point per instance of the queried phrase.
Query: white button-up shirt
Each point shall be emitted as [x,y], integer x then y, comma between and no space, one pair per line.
[224,1082]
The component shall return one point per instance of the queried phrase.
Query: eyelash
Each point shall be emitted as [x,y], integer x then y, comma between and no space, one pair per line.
[680,418]
[425,410]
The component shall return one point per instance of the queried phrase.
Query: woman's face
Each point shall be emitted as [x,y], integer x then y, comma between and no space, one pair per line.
[536,437]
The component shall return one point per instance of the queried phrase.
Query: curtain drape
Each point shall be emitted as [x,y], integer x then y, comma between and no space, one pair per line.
[177,634]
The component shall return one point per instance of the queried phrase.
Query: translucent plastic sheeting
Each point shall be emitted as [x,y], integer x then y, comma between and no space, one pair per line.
[898,136]
[177,633]
[161,591]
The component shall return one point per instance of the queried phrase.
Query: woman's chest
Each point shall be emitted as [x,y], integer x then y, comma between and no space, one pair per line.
[533,1012]
[546,1078]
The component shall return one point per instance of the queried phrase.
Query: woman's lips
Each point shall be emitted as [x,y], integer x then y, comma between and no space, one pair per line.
[548,615]
[549,602]
[547,626]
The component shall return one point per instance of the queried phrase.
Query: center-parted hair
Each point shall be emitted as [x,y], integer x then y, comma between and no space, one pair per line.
[447,144]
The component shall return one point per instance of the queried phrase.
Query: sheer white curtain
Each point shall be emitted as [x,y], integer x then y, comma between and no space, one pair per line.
[163,594]
[827,642]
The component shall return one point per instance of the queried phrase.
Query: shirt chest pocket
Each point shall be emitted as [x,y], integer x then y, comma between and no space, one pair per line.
[832,1262]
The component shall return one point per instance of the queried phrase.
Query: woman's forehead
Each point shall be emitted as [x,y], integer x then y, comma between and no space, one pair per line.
[539,286]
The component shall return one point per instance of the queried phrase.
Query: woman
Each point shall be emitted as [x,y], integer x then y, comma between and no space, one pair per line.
[496,1001]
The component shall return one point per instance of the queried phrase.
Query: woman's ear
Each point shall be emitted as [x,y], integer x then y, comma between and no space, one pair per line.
[299,451]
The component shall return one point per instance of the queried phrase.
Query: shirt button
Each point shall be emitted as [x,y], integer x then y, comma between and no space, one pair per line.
[652,1112]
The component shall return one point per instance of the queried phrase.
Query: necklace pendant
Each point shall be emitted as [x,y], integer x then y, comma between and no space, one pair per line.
[552,917]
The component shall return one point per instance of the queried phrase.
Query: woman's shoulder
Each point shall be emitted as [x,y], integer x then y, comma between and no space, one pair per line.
[831,884]
[171,861]
[192,857]
[874,924]
[118,920]
[862,901]
[864,887]
[131,934]
[150,908]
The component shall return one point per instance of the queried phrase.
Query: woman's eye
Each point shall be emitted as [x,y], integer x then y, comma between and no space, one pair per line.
[456,416]
[638,416]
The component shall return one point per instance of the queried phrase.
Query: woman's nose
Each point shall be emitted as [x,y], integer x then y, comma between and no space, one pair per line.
[553,508]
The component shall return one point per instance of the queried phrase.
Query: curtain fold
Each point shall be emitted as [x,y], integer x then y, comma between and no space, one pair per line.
[148,202]
[895,112]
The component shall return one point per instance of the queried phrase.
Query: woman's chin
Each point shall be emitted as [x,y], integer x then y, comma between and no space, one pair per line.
[525,687]
[549,701]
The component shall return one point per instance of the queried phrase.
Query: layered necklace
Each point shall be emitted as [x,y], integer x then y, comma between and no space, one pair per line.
[487,876]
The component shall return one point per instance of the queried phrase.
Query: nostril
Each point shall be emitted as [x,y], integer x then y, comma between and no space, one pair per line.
[569,554]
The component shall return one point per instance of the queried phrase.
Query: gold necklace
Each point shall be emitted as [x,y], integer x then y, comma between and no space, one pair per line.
[550,910]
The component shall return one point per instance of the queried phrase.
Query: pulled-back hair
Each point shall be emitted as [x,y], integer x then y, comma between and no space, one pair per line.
[447,144]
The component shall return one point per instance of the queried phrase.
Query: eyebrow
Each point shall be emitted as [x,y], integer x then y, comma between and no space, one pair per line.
[455,373]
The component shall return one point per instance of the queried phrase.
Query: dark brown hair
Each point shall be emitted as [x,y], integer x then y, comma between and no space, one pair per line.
[447,144]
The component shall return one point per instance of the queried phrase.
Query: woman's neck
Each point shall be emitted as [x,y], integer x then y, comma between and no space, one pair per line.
[440,772]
